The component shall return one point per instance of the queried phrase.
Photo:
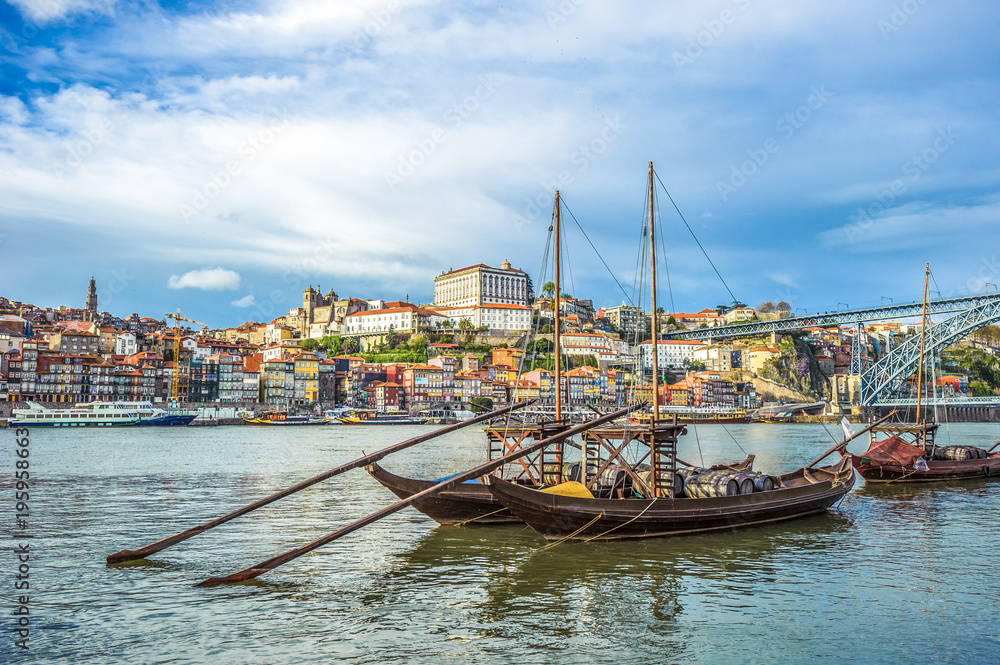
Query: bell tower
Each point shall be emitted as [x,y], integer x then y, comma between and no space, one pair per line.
[92,296]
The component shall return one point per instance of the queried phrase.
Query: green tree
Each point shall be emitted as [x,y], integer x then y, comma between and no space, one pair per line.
[309,345]
[549,289]
[481,404]
[349,346]
[332,344]
[546,328]
[390,338]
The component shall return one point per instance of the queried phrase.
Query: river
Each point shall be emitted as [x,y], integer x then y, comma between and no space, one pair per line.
[893,574]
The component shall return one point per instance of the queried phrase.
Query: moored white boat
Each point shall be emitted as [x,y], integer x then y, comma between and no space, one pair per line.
[97,414]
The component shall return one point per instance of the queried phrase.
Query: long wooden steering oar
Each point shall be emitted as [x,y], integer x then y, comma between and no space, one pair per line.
[142,552]
[476,472]
[843,444]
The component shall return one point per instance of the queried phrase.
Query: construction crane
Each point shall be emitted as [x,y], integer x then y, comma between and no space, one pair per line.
[177,349]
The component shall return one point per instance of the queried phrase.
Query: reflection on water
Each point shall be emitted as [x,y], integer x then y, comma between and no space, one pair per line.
[906,561]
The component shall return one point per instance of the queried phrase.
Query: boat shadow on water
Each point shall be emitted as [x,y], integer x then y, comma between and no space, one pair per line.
[512,565]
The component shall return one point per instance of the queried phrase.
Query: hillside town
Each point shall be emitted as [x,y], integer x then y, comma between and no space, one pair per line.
[486,337]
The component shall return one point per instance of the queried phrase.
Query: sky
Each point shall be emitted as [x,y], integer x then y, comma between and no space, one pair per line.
[220,157]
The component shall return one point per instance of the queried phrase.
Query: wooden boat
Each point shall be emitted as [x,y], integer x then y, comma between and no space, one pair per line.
[906,453]
[469,502]
[555,517]
[661,502]
[283,419]
[368,417]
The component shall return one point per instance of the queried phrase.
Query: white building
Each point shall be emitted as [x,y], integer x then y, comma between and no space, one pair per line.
[481,285]
[494,317]
[125,344]
[715,357]
[401,317]
[670,353]
[738,315]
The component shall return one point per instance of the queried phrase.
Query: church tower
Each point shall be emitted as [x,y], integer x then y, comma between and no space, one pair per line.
[92,296]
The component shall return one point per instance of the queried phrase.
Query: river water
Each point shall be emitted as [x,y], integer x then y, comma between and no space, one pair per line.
[894,574]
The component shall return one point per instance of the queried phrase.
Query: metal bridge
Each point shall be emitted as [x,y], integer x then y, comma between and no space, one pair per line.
[847,317]
[951,400]
[881,382]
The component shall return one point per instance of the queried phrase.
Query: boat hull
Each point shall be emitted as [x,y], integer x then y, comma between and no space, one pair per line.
[19,424]
[558,517]
[469,502]
[167,421]
[937,470]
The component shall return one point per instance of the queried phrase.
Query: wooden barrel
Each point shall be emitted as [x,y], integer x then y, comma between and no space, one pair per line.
[764,483]
[685,475]
[712,484]
[611,478]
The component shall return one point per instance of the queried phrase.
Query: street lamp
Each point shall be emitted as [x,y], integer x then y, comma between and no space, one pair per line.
[884,298]
[846,306]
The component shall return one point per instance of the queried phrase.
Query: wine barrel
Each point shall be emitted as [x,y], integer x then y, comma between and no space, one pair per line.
[712,484]
[553,475]
[611,478]
[764,483]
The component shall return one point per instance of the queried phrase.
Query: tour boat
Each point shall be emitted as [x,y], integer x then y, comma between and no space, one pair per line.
[282,418]
[97,414]
[368,417]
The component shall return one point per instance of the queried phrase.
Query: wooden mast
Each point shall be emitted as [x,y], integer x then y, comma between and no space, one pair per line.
[558,347]
[652,276]
[920,366]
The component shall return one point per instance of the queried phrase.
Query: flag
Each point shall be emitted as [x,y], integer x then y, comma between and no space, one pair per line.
[848,432]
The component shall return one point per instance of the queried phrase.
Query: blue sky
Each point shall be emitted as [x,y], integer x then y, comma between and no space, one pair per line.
[222,156]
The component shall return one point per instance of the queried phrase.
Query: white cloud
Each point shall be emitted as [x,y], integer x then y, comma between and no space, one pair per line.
[43,11]
[245,301]
[208,279]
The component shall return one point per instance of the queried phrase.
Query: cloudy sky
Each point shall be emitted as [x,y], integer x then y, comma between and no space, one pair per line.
[221,156]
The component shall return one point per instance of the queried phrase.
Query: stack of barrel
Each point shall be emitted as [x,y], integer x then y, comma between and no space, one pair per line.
[958,453]
[700,483]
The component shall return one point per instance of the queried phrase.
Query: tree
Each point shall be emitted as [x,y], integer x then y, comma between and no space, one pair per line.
[722,309]
[465,325]
[783,306]
[546,328]
[765,307]
[549,289]
[481,404]
[418,343]
[331,343]
[349,346]
[565,296]
[390,338]
[309,345]
[543,346]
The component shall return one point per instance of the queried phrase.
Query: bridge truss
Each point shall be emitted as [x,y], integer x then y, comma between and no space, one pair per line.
[846,318]
[881,382]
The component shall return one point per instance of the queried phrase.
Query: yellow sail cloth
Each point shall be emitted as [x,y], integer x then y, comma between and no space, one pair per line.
[571,488]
